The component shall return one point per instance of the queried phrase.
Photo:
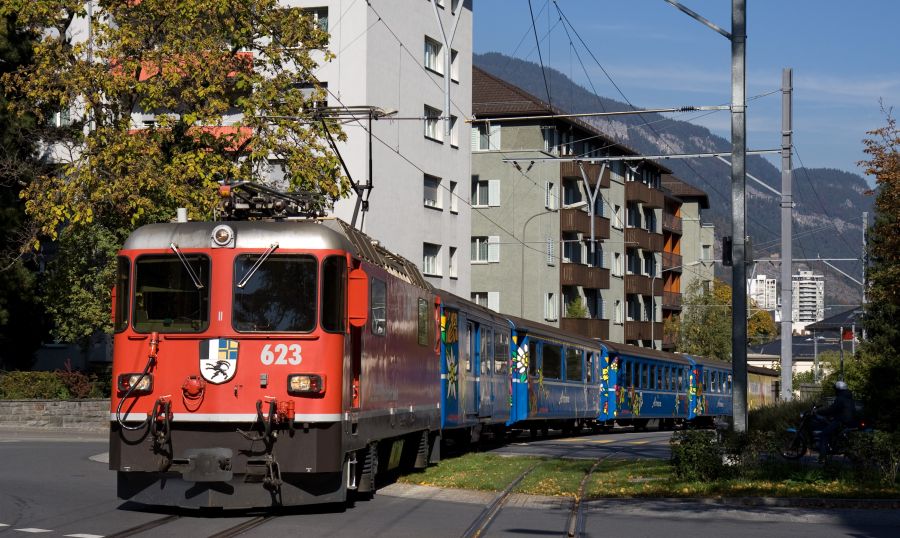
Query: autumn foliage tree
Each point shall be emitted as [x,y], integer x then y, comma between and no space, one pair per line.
[166,99]
[881,351]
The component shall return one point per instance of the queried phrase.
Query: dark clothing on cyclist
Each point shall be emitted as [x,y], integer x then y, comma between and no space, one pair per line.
[839,415]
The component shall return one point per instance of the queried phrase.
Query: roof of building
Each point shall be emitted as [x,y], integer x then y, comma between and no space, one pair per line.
[846,319]
[802,347]
[493,97]
[684,191]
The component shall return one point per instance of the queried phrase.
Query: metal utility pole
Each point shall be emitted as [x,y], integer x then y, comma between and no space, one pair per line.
[738,38]
[738,216]
[787,203]
[865,255]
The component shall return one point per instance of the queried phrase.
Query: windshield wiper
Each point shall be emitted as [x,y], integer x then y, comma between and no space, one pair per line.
[252,270]
[187,266]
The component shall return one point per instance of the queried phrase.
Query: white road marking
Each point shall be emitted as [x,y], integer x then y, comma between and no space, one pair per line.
[84,535]
[100,458]
[3,525]
[33,530]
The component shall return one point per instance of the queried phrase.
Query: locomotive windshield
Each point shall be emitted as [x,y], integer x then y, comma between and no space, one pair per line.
[166,298]
[280,296]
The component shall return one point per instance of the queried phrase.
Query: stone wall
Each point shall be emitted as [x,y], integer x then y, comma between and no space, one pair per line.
[70,415]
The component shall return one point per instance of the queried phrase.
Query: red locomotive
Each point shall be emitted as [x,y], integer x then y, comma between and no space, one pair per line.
[255,364]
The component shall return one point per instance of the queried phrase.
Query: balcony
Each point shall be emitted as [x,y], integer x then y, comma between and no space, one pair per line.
[671,300]
[643,330]
[575,274]
[586,327]
[571,169]
[640,285]
[657,199]
[576,220]
[671,223]
[635,191]
[672,262]
[644,239]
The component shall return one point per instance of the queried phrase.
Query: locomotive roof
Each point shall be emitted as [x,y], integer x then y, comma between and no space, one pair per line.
[312,234]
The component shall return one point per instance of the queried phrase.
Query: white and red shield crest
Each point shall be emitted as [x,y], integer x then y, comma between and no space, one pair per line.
[218,359]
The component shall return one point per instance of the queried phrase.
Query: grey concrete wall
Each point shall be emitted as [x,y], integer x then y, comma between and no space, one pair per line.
[67,415]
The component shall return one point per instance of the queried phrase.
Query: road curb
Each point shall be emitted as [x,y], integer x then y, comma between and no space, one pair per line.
[776,502]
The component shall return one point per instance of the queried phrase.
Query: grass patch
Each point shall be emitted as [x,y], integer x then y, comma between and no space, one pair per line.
[645,478]
[479,471]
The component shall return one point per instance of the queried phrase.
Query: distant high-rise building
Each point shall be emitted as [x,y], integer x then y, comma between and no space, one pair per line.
[808,302]
[763,291]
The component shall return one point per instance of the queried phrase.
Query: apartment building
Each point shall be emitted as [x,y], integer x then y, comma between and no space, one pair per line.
[391,55]
[686,240]
[808,305]
[763,291]
[532,254]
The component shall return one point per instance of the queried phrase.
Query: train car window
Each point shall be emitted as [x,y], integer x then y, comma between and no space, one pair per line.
[645,376]
[589,367]
[551,361]
[574,368]
[470,346]
[423,322]
[652,377]
[334,294]
[532,357]
[123,292]
[166,299]
[487,357]
[279,297]
[665,378]
[626,373]
[378,306]
[659,377]
[681,379]
[501,352]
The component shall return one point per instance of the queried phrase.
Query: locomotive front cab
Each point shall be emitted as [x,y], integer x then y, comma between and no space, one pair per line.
[229,363]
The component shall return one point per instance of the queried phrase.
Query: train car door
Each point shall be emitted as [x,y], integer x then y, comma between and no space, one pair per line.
[486,373]
[472,366]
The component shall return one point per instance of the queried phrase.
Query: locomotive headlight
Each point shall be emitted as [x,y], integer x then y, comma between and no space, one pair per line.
[136,383]
[306,384]
[223,236]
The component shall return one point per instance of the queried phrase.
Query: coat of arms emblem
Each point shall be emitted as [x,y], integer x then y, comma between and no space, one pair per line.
[218,359]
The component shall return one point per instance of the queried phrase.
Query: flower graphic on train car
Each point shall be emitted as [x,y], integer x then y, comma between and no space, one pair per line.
[522,362]
[604,375]
[452,373]
[637,401]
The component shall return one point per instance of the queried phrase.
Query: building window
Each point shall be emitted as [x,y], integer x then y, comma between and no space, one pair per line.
[454,195]
[550,310]
[551,140]
[431,192]
[434,58]
[617,218]
[486,249]
[707,252]
[618,312]
[432,124]
[431,259]
[617,264]
[485,137]
[480,298]
[454,65]
[319,16]
[551,199]
[485,193]
[453,263]
[454,133]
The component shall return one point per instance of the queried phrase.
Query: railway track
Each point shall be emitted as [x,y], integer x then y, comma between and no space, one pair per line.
[234,530]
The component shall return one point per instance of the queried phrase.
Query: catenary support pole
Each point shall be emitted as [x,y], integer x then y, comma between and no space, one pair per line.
[738,216]
[787,205]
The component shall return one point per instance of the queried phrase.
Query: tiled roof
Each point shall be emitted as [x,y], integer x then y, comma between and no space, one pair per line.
[493,97]
[683,190]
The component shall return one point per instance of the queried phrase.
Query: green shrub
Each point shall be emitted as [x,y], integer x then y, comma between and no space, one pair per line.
[696,455]
[777,418]
[877,455]
[32,385]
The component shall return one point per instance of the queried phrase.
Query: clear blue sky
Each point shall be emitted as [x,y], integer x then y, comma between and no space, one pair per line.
[845,56]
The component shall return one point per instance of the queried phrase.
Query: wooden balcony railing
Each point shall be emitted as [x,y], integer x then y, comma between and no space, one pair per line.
[640,285]
[635,191]
[575,274]
[643,330]
[644,239]
[672,262]
[576,220]
[671,300]
[571,170]
[586,327]
[671,223]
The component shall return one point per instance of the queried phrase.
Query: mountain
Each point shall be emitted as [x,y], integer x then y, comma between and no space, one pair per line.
[828,203]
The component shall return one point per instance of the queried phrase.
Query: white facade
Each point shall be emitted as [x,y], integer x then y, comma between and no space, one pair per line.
[808,305]
[390,55]
[763,291]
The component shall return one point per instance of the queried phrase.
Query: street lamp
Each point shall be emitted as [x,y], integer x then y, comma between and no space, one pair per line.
[576,205]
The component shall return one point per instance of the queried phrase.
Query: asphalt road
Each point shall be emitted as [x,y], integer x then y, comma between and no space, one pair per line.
[50,486]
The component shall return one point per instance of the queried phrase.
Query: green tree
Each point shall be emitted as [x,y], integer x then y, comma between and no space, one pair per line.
[577,309]
[704,326]
[229,85]
[880,387]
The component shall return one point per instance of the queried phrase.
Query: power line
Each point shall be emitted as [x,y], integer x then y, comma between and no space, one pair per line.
[540,56]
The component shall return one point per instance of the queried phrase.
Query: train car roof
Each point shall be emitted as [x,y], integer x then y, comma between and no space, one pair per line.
[645,352]
[455,301]
[533,327]
[308,234]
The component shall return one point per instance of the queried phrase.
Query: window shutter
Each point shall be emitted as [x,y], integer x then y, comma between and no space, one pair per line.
[494,248]
[550,254]
[475,137]
[549,195]
[495,137]
[493,300]
[494,193]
